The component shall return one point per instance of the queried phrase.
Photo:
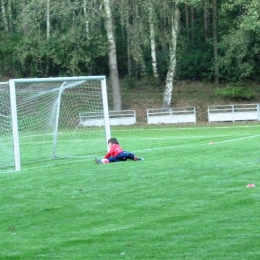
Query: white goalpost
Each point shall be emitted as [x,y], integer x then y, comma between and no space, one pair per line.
[6,140]
[44,116]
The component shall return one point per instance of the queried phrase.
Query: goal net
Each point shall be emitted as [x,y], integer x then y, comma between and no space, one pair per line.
[6,137]
[45,117]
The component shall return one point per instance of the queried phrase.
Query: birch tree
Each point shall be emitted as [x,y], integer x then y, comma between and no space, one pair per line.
[206,20]
[4,16]
[48,23]
[187,22]
[174,22]
[215,41]
[114,78]
[48,33]
[152,39]
[10,15]
[129,61]
[124,12]
[139,36]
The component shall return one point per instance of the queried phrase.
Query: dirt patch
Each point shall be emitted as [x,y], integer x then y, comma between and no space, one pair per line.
[185,94]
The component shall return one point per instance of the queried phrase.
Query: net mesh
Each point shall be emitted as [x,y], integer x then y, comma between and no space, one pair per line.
[49,122]
[6,137]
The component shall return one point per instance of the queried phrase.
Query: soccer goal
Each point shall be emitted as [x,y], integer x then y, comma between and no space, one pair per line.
[44,118]
[6,139]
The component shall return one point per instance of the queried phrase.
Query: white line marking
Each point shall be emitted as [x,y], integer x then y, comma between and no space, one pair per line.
[186,128]
[194,145]
[237,139]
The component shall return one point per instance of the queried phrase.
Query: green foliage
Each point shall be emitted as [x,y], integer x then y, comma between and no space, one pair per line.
[8,64]
[78,44]
[236,91]
[194,61]
[239,45]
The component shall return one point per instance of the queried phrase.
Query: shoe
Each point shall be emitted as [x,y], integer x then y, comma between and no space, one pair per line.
[98,161]
[138,158]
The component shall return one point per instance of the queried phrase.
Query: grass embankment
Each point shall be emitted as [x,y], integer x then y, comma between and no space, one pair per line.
[143,95]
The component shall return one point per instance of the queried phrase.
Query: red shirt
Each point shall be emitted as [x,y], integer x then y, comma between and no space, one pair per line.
[114,151]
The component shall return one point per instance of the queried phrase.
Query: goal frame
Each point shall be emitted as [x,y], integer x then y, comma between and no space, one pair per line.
[12,82]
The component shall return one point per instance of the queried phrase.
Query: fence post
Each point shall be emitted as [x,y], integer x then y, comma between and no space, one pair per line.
[233,113]
[258,112]
[195,117]
[208,115]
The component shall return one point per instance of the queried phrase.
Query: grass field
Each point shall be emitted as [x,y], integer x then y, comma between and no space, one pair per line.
[187,200]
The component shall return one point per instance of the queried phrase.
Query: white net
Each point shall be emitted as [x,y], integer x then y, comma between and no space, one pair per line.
[49,122]
[6,137]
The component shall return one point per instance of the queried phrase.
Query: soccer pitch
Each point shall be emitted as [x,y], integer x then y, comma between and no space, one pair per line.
[187,200]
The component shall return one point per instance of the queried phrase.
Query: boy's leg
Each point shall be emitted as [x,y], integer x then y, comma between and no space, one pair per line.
[135,158]
[124,156]
[101,161]
[131,156]
[98,161]
[120,157]
[112,159]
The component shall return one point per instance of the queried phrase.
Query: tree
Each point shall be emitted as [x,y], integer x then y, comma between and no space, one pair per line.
[4,16]
[117,104]
[240,41]
[215,41]
[152,39]
[206,20]
[174,26]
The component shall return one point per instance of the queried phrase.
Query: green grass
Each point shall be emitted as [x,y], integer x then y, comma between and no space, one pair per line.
[187,200]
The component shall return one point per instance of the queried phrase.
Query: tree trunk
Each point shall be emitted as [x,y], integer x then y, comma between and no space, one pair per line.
[48,32]
[187,22]
[48,24]
[172,64]
[206,20]
[129,61]
[117,104]
[152,42]
[215,41]
[10,15]
[86,17]
[192,24]
[4,16]
[24,26]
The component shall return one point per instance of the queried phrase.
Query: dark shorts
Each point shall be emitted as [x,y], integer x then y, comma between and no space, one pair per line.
[122,157]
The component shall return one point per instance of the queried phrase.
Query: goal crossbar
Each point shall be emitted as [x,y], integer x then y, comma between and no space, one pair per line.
[74,98]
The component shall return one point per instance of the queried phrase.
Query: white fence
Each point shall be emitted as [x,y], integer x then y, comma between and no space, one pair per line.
[218,113]
[233,113]
[171,115]
[123,117]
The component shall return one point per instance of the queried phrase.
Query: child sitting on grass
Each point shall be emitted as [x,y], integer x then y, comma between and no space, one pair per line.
[116,153]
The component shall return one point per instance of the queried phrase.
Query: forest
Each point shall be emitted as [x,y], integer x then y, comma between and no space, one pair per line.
[167,40]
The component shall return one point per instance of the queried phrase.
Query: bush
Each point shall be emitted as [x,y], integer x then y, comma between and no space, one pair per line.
[236,91]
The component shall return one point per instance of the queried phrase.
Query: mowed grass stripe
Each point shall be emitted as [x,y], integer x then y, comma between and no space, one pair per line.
[183,201]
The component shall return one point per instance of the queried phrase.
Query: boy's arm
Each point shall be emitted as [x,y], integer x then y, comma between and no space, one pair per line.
[109,154]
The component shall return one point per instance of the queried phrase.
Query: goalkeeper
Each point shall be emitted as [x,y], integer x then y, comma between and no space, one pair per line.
[116,153]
